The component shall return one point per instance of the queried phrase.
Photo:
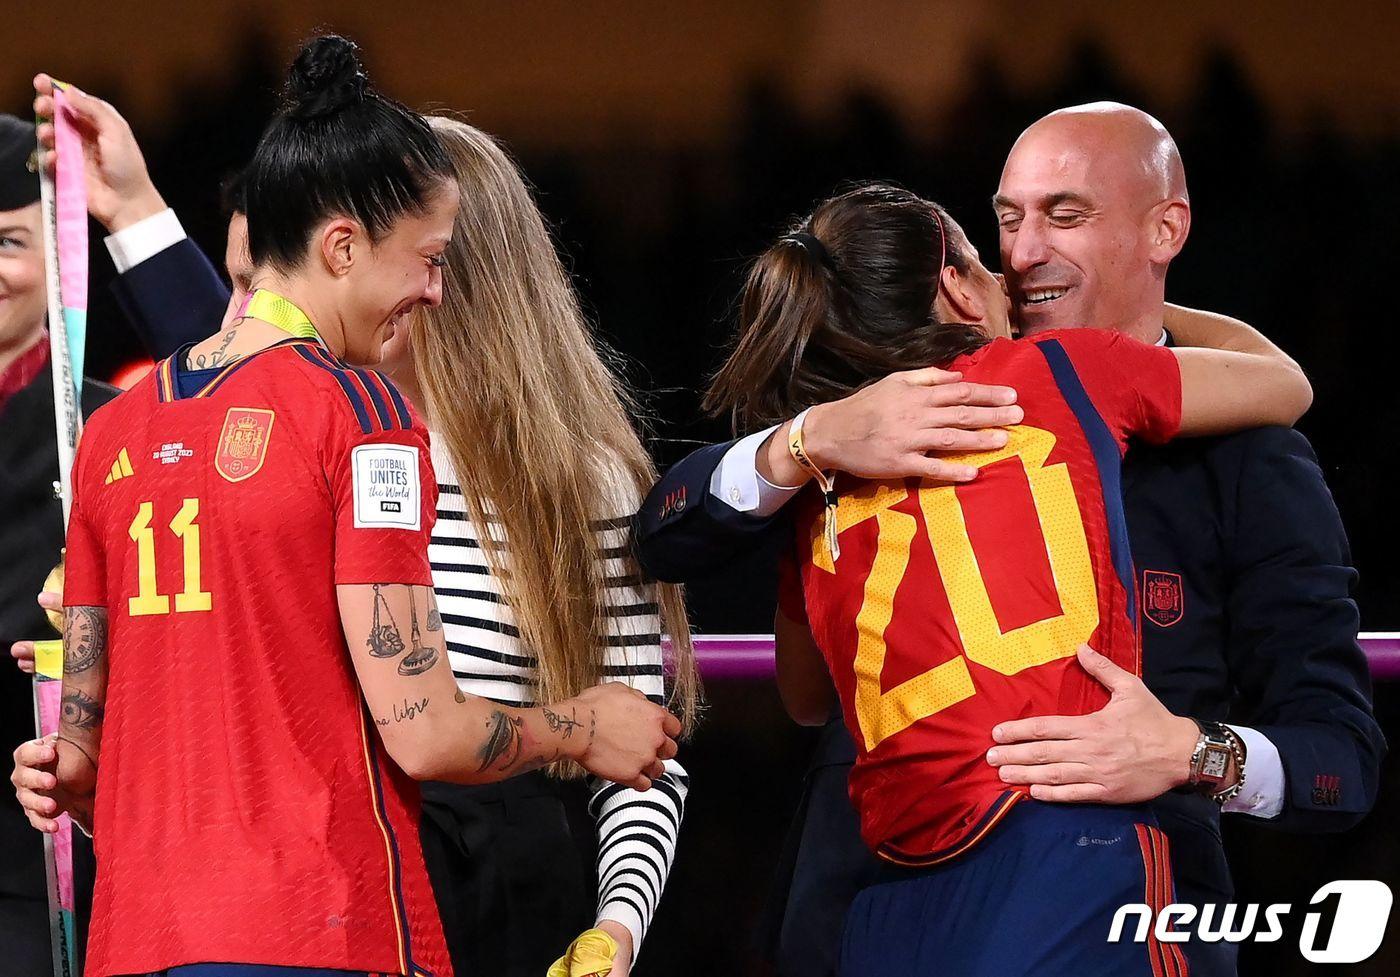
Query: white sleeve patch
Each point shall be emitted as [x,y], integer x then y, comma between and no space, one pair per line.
[388,494]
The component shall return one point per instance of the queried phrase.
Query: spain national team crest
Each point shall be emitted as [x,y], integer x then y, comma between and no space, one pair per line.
[243,442]
[1162,598]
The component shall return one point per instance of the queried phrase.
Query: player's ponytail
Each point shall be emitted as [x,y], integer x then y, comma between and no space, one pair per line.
[845,298]
[336,148]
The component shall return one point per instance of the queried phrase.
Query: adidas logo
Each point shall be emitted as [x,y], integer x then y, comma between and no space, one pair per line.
[121,468]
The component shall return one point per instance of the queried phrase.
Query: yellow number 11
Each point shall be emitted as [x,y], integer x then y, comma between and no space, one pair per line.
[148,599]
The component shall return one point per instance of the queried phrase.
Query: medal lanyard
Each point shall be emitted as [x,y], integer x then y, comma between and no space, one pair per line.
[280,312]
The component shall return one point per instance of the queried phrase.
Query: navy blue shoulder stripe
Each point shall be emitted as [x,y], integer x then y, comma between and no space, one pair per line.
[357,402]
[400,407]
[1106,456]
[380,407]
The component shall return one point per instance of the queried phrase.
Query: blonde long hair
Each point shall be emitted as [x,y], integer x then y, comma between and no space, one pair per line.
[531,417]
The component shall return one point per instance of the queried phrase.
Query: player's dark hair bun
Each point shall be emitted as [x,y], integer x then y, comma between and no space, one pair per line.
[325,77]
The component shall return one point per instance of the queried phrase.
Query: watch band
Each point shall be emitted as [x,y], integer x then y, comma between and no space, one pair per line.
[1216,746]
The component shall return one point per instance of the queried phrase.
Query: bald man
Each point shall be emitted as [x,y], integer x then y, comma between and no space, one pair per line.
[1243,565]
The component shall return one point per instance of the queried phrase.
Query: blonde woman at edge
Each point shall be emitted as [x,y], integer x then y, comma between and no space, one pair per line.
[539,472]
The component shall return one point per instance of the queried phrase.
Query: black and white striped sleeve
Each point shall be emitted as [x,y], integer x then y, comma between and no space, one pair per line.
[637,835]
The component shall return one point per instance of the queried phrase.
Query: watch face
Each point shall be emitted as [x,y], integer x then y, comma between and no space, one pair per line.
[1216,761]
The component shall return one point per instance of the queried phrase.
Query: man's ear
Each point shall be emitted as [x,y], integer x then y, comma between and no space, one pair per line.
[339,239]
[961,303]
[1171,226]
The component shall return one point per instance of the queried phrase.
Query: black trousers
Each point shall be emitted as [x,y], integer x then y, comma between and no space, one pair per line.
[512,869]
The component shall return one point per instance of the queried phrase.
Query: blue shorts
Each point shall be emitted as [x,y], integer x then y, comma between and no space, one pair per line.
[1037,897]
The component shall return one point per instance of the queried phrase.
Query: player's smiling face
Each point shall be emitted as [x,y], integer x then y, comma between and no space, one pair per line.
[404,271]
[1073,247]
[22,298]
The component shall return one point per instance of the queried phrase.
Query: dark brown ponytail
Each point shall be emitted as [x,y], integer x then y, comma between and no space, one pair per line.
[840,302]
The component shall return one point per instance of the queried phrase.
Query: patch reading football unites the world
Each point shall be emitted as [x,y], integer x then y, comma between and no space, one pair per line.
[387,486]
[243,442]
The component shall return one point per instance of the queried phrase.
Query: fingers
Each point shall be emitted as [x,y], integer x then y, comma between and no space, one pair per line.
[1039,728]
[1071,793]
[1035,752]
[671,725]
[970,416]
[40,823]
[655,770]
[32,779]
[929,376]
[972,395]
[640,782]
[34,753]
[668,749]
[23,654]
[50,601]
[938,470]
[43,84]
[1054,774]
[955,439]
[1107,674]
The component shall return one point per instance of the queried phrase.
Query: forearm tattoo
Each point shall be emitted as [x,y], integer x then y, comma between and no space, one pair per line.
[559,723]
[84,638]
[81,711]
[503,741]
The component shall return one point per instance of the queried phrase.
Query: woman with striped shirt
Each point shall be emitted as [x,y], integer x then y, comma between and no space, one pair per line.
[539,472]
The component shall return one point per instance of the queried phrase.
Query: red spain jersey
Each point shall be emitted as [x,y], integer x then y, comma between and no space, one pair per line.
[246,811]
[953,608]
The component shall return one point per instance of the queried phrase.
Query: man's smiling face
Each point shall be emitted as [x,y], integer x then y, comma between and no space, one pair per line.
[1077,208]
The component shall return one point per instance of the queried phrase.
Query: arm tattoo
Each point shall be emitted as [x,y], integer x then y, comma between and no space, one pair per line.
[81,711]
[85,638]
[385,641]
[421,657]
[80,748]
[407,712]
[563,725]
[503,742]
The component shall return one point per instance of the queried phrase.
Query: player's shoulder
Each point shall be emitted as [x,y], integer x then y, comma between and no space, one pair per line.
[365,400]
[1082,342]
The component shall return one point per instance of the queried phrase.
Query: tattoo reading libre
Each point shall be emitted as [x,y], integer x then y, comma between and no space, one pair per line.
[406,713]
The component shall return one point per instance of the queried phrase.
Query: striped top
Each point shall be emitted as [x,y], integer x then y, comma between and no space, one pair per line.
[637,831]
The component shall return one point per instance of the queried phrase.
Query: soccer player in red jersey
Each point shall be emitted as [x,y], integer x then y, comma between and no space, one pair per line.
[937,611]
[255,671]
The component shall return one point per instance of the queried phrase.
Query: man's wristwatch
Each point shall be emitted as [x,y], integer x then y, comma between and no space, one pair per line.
[1210,760]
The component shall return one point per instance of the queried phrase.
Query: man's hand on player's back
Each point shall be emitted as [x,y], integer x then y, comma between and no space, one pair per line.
[892,428]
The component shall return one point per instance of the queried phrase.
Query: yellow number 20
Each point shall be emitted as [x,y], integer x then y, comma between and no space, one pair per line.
[148,599]
[884,713]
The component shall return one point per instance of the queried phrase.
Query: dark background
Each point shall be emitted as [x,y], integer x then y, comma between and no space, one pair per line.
[668,143]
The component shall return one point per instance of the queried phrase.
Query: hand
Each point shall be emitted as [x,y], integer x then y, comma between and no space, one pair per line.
[23,651]
[888,429]
[629,736]
[1131,750]
[604,951]
[622,959]
[119,187]
[36,786]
